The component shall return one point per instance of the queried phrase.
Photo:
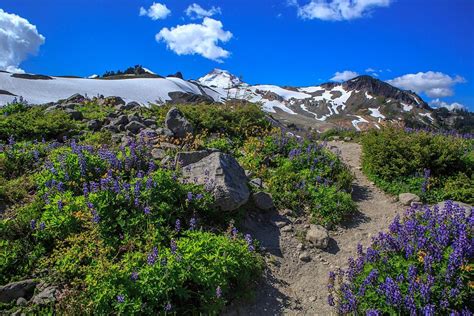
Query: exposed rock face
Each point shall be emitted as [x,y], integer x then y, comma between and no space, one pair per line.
[408,198]
[177,123]
[187,97]
[75,115]
[75,98]
[177,75]
[318,236]
[15,290]
[223,176]
[186,158]
[134,127]
[46,296]
[263,201]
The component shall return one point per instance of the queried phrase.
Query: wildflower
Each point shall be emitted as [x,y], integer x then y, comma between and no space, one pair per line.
[192,223]
[134,276]
[173,246]
[248,239]
[177,226]
[189,197]
[120,298]
[42,226]
[147,210]
[60,205]
[218,292]
[33,223]
[152,256]
[168,307]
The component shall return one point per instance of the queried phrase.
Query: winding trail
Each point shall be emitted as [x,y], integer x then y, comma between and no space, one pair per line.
[294,287]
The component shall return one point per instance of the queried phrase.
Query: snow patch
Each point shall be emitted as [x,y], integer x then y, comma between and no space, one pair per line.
[376,113]
[406,107]
[355,123]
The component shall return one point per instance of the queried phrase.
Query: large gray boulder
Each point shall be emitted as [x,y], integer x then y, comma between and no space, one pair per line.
[177,123]
[318,236]
[15,290]
[223,176]
[46,296]
[185,158]
[408,198]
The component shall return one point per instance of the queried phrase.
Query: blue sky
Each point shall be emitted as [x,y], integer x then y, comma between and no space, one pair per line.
[424,45]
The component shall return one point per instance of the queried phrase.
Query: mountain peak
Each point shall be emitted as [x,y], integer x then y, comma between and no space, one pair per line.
[220,78]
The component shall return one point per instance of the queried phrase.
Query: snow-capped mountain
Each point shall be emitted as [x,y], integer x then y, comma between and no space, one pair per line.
[359,103]
[219,78]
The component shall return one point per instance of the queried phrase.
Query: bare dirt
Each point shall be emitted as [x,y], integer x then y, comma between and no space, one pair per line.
[294,287]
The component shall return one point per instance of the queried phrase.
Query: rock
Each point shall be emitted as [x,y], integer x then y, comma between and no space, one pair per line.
[164,132]
[130,106]
[148,132]
[468,208]
[300,247]
[177,75]
[249,173]
[224,177]
[158,153]
[263,201]
[15,290]
[165,145]
[149,122]
[318,236]
[75,98]
[336,138]
[94,125]
[111,128]
[347,139]
[186,158]
[304,256]
[46,296]
[257,182]
[286,228]
[52,108]
[177,123]
[407,198]
[280,224]
[134,127]
[21,301]
[114,101]
[312,299]
[286,212]
[75,115]
[121,120]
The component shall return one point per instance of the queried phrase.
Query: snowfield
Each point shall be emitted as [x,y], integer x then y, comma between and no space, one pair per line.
[142,90]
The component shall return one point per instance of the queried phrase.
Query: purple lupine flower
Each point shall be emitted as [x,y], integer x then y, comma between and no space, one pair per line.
[192,223]
[199,196]
[173,246]
[42,226]
[177,226]
[60,205]
[33,223]
[168,307]
[147,210]
[331,300]
[152,256]
[372,312]
[189,197]
[120,298]
[218,292]
[134,276]
[234,232]
[248,239]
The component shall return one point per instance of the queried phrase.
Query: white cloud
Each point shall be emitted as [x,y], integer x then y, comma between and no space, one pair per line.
[156,11]
[437,103]
[201,39]
[195,11]
[18,39]
[433,84]
[344,75]
[337,10]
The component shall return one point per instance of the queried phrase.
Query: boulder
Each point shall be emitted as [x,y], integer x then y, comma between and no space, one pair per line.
[75,98]
[75,115]
[158,153]
[46,296]
[408,198]
[149,122]
[130,106]
[263,201]
[15,290]
[121,120]
[21,301]
[177,123]
[185,158]
[94,125]
[164,132]
[134,127]
[71,105]
[148,132]
[318,236]
[114,101]
[223,177]
[52,108]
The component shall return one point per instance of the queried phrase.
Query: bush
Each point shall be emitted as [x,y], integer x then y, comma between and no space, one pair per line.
[35,123]
[423,265]
[419,162]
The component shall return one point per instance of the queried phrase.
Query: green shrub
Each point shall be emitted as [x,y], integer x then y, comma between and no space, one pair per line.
[419,162]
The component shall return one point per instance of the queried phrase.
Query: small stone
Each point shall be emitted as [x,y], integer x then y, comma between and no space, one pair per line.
[280,224]
[21,301]
[257,182]
[286,212]
[300,247]
[407,198]
[312,299]
[318,236]
[158,153]
[304,256]
[286,228]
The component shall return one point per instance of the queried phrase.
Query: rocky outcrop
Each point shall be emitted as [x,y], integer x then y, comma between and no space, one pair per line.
[15,290]
[179,97]
[177,123]
[223,177]
[186,158]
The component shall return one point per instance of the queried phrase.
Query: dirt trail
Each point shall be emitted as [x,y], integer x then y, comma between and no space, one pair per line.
[294,287]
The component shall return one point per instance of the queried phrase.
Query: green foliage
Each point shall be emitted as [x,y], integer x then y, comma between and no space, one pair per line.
[302,176]
[35,123]
[339,132]
[17,106]
[430,165]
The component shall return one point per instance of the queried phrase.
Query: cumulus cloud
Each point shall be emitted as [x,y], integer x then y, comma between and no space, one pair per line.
[437,103]
[156,11]
[18,39]
[433,84]
[201,39]
[344,75]
[338,10]
[195,11]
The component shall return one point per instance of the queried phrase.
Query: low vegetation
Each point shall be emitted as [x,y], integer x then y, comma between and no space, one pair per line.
[434,166]
[422,266]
